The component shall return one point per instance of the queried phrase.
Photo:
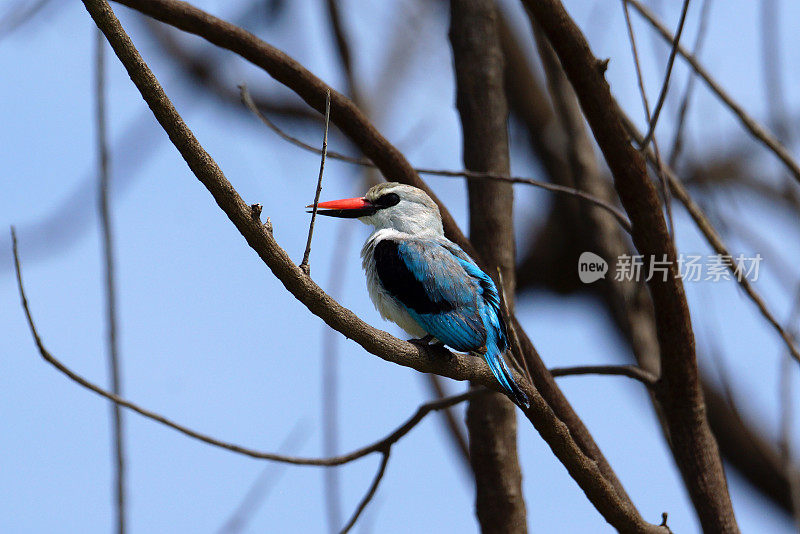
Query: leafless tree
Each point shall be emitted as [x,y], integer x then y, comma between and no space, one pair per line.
[613,187]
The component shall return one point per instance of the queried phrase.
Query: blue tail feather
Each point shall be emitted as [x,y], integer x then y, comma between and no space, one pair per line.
[500,370]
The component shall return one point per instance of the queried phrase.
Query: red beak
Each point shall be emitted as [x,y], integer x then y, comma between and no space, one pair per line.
[347,208]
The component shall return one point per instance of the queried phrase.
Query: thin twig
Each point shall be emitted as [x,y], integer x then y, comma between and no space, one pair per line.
[18,16]
[665,86]
[370,493]
[756,129]
[377,446]
[103,177]
[555,188]
[259,490]
[631,371]
[330,382]
[665,193]
[785,426]
[304,264]
[456,432]
[771,61]
[677,140]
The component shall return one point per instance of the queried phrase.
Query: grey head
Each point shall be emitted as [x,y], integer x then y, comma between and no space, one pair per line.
[391,205]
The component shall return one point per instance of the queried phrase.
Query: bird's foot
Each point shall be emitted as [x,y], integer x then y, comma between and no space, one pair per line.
[422,342]
[437,348]
[440,349]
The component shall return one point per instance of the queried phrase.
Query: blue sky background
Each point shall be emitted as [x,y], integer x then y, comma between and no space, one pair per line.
[211,339]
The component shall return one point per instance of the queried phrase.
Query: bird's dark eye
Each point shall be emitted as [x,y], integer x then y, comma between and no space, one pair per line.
[387,200]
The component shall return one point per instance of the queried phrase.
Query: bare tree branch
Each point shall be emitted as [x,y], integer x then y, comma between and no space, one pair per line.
[678,389]
[584,469]
[472,175]
[756,130]
[370,492]
[651,119]
[304,264]
[483,112]
[117,432]
[631,371]
[677,140]
[665,86]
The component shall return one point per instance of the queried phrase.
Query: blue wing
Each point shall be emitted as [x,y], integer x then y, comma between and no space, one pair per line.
[497,338]
[450,297]
[435,289]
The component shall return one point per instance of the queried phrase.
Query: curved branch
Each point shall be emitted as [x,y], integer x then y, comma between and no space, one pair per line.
[344,113]
[370,493]
[678,391]
[381,445]
[585,469]
[631,371]
[396,167]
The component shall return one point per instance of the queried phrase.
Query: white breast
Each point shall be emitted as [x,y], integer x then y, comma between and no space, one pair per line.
[387,305]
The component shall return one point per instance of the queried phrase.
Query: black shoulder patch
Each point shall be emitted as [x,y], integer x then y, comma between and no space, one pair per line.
[398,280]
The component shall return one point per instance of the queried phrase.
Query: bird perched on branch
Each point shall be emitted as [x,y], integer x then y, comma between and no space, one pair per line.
[425,283]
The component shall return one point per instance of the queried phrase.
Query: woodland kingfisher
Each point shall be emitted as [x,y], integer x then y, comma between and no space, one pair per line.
[425,283]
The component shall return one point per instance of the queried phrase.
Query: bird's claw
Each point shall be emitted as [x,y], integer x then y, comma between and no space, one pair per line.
[422,342]
[439,348]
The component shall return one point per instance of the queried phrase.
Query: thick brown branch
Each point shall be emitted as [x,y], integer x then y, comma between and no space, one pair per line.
[481,102]
[584,469]
[310,88]
[679,389]
[344,114]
